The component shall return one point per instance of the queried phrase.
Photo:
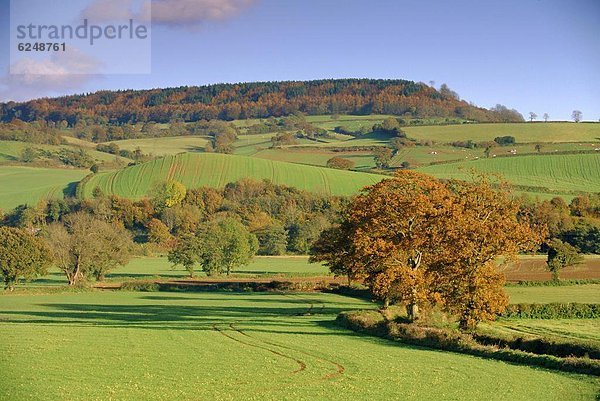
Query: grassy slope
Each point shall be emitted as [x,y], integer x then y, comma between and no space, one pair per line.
[216,170]
[165,146]
[20,185]
[556,172]
[10,151]
[579,329]
[140,346]
[524,132]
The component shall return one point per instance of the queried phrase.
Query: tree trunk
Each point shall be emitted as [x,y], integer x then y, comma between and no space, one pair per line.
[75,276]
[412,310]
[386,302]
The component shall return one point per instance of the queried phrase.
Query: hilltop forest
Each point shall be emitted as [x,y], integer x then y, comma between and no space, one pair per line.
[256,100]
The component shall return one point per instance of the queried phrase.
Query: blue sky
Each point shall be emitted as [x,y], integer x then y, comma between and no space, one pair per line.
[532,55]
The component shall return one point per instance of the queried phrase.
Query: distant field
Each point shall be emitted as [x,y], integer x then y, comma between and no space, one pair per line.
[116,345]
[165,146]
[19,185]
[161,268]
[528,268]
[579,172]
[579,329]
[10,151]
[216,170]
[523,132]
[248,145]
[584,293]
[534,268]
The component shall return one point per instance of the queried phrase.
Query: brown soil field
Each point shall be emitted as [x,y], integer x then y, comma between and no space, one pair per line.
[534,269]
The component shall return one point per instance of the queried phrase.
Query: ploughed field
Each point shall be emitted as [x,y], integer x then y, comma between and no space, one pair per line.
[226,346]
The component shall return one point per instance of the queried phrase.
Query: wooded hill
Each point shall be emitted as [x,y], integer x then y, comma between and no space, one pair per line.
[256,100]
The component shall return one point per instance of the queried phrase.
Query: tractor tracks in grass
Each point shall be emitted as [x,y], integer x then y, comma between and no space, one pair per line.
[301,364]
[281,350]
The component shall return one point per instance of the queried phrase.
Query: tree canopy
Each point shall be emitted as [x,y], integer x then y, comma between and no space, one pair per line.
[416,240]
[21,255]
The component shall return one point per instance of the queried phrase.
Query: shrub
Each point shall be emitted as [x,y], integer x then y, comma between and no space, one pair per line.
[553,311]
[505,140]
[143,286]
[340,163]
[452,340]
[541,346]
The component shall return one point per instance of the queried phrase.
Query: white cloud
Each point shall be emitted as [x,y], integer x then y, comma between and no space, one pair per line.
[60,73]
[173,13]
[195,12]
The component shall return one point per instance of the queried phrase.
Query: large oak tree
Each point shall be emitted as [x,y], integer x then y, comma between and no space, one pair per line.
[417,240]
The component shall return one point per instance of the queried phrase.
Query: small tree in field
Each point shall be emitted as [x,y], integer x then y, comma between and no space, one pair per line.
[218,245]
[340,163]
[86,247]
[546,117]
[187,252]
[576,115]
[532,116]
[561,255]
[383,157]
[21,255]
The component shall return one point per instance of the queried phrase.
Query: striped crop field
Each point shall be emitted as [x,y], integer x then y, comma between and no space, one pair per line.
[578,172]
[216,170]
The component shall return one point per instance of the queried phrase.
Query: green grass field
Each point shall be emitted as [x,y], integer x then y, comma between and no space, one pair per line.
[523,132]
[216,170]
[165,146]
[580,172]
[10,151]
[20,185]
[231,346]
[586,293]
[145,268]
[577,329]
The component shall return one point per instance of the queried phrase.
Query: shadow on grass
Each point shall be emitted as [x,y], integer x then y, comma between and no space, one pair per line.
[285,313]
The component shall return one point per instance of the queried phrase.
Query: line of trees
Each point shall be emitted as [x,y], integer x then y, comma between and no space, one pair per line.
[217,230]
[255,100]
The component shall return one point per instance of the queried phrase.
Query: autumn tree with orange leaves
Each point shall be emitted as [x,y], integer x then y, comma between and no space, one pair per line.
[416,240]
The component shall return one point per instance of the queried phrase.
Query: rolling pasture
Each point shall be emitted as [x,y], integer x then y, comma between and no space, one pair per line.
[10,151]
[216,170]
[582,293]
[578,172]
[223,346]
[523,132]
[576,329]
[28,185]
[165,145]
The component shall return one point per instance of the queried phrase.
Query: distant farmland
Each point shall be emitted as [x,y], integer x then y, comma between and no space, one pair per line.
[164,145]
[579,172]
[217,170]
[523,132]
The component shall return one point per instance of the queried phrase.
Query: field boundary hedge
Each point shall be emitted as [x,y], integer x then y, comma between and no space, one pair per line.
[373,323]
[552,311]
[552,283]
